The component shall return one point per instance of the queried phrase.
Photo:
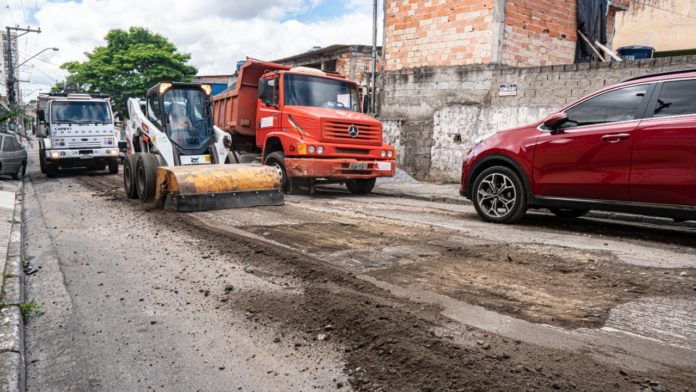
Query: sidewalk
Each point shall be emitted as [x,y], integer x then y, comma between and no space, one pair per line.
[444,193]
[12,367]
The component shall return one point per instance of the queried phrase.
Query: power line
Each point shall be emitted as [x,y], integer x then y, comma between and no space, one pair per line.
[9,7]
[664,9]
[24,11]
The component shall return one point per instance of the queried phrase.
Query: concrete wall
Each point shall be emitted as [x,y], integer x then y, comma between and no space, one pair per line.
[433,114]
[671,24]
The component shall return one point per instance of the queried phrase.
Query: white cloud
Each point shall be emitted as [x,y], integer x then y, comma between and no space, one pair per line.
[217,33]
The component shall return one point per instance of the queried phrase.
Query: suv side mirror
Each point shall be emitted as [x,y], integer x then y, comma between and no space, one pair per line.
[41,115]
[555,120]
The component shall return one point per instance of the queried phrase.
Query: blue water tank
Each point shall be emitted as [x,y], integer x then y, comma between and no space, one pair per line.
[635,52]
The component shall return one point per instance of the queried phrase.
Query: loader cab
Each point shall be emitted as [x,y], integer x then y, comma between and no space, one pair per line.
[182,111]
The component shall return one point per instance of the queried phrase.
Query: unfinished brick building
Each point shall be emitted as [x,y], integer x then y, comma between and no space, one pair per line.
[351,61]
[518,33]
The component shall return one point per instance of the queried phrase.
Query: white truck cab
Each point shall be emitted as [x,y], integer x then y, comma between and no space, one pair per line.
[76,130]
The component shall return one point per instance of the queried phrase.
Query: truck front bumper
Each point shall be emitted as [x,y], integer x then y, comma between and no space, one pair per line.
[87,153]
[339,168]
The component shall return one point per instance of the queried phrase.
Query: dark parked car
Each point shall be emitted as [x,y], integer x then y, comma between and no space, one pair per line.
[630,148]
[13,156]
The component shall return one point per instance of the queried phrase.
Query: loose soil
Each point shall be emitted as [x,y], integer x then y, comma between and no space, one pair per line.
[391,344]
[542,284]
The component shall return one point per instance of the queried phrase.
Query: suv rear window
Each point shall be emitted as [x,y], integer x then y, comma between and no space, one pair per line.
[613,106]
[676,98]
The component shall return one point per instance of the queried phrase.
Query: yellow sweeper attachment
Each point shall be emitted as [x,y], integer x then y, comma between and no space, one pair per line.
[218,186]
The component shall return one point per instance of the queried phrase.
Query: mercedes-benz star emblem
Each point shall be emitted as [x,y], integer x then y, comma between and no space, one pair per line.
[353,131]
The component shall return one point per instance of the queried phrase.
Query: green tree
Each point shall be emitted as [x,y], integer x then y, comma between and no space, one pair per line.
[131,62]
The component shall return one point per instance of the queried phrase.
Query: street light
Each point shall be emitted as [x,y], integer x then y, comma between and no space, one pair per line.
[25,61]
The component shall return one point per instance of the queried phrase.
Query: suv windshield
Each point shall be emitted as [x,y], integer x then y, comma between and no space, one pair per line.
[188,121]
[80,113]
[303,90]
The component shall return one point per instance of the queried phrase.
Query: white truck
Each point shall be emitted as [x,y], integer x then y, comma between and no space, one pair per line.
[76,130]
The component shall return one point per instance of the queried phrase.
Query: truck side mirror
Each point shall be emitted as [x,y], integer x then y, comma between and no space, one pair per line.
[263,85]
[41,115]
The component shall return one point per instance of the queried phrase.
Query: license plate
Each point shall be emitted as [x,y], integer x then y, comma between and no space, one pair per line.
[384,166]
[195,159]
[358,166]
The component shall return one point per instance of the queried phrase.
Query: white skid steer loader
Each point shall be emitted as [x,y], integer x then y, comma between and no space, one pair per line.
[177,159]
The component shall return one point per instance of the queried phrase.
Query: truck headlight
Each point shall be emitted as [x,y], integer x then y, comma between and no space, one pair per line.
[320,150]
[311,149]
[55,154]
[390,153]
[383,154]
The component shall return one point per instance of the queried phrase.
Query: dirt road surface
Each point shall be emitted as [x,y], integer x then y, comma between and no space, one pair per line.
[337,292]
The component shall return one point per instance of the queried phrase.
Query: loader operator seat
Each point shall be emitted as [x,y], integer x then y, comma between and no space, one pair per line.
[181,126]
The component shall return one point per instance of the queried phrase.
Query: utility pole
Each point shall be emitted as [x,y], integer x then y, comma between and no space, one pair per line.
[373,80]
[11,92]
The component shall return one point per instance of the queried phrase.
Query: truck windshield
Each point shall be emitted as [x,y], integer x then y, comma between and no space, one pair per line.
[65,112]
[303,90]
[188,120]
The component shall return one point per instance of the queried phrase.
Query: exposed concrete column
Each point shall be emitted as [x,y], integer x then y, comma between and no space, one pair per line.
[498,31]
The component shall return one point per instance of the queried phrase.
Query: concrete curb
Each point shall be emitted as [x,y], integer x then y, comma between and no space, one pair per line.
[433,198]
[12,364]
[613,216]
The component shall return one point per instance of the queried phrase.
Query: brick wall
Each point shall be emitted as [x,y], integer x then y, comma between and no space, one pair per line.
[539,32]
[518,33]
[356,67]
[438,32]
[433,115]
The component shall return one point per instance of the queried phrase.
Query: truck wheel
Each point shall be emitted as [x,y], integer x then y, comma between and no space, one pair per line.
[277,161]
[146,176]
[51,170]
[129,176]
[361,187]
[499,195]
[113,166]
[42,162]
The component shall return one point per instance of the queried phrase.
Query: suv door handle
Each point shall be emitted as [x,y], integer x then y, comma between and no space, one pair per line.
[615,137]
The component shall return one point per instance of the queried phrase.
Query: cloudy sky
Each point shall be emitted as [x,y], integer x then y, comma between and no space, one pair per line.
[217,33]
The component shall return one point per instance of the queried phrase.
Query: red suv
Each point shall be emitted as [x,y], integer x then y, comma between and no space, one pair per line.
[630,148]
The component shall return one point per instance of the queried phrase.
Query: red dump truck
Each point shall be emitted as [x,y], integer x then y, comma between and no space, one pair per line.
[307,124]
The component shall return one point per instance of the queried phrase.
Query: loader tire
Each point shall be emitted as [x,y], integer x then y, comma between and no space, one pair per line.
[146,176]
[277,161]
[129,176]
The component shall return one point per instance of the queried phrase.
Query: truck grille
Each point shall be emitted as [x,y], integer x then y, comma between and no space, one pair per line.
[84,144]
[338,131]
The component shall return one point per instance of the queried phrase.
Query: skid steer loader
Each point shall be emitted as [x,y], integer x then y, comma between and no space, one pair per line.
[178,160]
